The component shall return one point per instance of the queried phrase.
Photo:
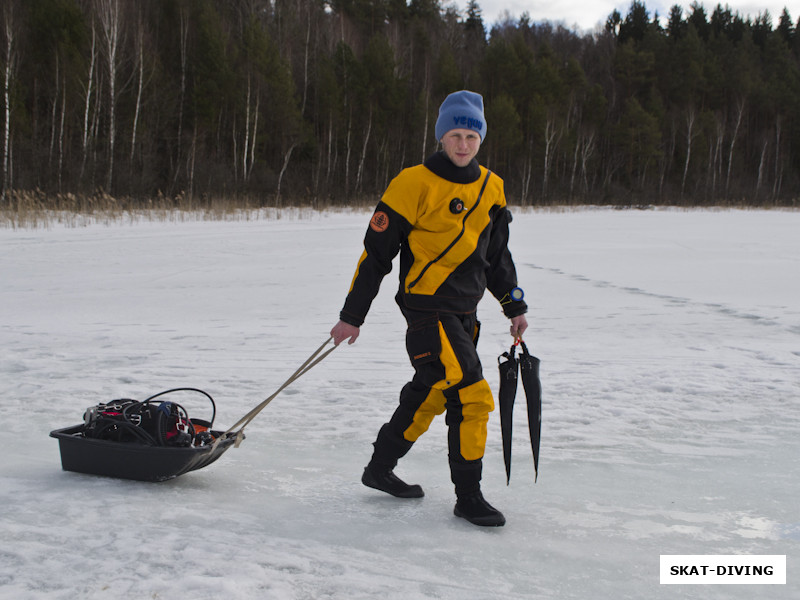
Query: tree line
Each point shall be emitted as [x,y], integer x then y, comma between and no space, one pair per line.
[323,101]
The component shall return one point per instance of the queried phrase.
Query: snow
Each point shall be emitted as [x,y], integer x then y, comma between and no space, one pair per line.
[670,349]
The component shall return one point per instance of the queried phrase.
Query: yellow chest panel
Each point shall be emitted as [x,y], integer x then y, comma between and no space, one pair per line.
[441,238]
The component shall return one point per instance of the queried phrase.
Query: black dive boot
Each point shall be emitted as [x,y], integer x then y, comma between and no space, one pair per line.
[473,507]
[470,503]
[386,481]
[379,474]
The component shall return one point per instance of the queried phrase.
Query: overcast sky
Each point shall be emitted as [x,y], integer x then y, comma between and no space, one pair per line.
[585,14]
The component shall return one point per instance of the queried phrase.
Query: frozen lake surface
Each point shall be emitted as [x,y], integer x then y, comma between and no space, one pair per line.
[670,349]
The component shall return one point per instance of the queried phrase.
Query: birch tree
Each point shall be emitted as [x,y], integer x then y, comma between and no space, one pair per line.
[89,92]
[10,60]
[734,136]
[183,44]
[139,60]
[691,117]
[110,17]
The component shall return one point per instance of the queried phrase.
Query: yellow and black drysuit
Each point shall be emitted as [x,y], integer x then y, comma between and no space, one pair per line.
[450,226]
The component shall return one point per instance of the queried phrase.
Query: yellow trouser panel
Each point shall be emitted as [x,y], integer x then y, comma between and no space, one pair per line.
[452,369]
[433,405]
[477,403]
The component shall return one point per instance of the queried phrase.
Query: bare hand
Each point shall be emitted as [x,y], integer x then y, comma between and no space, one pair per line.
[518,326]
[342,331]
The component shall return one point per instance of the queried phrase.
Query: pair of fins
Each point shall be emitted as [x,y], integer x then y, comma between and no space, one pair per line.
[512,368]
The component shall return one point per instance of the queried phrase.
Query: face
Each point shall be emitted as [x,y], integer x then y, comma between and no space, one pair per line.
[461,146]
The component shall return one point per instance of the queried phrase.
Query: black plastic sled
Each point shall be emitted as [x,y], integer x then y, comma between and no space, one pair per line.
[131,460]
[153,440]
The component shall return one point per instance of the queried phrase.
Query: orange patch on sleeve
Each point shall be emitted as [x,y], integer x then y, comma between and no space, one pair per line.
[379,221]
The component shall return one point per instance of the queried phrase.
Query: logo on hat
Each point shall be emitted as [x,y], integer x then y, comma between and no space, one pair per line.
[465,122]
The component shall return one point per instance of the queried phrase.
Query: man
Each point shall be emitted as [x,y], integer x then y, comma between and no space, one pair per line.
[448,220]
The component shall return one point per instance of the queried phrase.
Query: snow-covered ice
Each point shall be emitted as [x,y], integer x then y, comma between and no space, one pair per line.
[670,349]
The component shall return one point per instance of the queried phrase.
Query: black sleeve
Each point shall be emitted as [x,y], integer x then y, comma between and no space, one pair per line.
[386,232]
[501,275]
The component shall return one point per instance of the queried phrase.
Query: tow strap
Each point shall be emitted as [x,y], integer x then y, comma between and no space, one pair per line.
[310,362]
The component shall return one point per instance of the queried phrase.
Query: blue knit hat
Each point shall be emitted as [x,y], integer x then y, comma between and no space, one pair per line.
[461,110]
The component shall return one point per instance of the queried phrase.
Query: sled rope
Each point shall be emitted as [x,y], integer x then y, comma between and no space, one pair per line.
[310,363]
